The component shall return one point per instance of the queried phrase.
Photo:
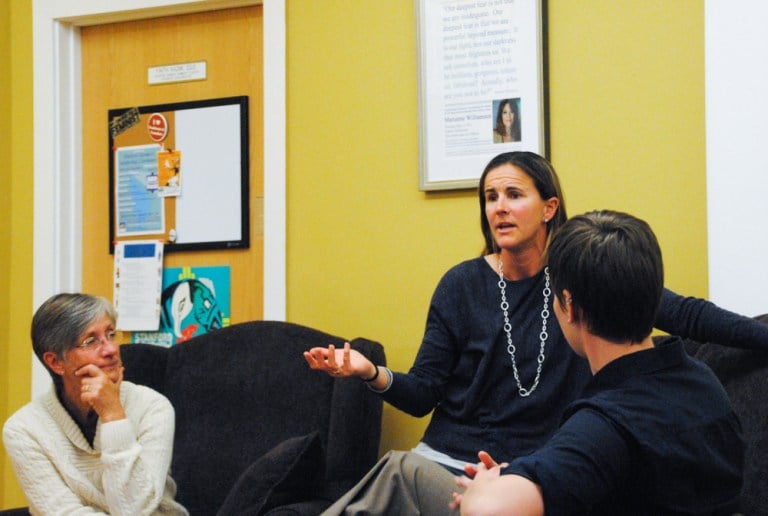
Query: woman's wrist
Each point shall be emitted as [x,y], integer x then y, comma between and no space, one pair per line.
[374,376]
[383,382]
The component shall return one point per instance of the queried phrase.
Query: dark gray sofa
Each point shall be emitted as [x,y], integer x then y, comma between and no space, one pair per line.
[744,374]
[257,431]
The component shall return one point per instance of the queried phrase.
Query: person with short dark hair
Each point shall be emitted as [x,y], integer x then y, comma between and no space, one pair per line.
[654,431]
[93,443]
[493,370]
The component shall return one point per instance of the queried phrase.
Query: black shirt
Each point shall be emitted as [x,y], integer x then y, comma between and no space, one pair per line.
[654,434]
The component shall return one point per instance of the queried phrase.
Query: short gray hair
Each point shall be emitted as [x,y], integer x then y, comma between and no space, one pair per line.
[62,318]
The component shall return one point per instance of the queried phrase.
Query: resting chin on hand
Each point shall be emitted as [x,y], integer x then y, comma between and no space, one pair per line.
[102,391]
[488,492]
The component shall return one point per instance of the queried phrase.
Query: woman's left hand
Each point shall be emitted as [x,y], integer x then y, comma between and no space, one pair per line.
[339,363]
[101,392]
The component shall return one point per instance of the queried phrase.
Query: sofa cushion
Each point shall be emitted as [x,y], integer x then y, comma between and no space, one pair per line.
[291,468]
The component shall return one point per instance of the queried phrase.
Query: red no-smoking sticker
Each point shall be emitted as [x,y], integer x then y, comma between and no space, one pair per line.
[157,126]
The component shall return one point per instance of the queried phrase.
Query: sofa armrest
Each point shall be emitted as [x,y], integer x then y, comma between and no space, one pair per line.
[357,411]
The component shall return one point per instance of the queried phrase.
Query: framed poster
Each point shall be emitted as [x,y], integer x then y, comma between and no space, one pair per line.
[482,86]
[180,172]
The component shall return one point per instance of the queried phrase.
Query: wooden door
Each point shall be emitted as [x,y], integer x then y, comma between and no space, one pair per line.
[115,61]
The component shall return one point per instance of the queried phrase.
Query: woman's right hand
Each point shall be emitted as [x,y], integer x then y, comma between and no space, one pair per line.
[340,363]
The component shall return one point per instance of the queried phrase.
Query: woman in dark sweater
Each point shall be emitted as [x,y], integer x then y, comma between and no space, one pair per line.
[493,367]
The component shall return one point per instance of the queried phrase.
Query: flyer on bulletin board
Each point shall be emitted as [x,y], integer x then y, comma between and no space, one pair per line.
[169,173]
[194,301]
[137,282]
[140,210]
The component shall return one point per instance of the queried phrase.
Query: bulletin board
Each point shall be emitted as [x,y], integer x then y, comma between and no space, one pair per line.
[179,173]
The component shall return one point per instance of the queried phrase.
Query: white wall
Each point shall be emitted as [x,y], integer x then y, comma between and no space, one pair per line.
[736,64]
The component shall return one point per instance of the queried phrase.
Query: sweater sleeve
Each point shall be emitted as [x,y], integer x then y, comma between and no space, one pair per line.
[44,487]
[423,387]
[136,455]
[704,321]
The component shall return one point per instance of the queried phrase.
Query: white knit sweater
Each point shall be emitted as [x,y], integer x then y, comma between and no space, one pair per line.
[127,472]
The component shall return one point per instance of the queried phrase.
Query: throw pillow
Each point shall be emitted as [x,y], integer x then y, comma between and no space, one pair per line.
[278,477]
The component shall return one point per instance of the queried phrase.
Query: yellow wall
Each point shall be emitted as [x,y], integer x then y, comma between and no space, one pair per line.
[5,197]
[365,246]
[627,112]
[15,236]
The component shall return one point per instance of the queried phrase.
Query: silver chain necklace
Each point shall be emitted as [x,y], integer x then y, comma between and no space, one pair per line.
[508,330]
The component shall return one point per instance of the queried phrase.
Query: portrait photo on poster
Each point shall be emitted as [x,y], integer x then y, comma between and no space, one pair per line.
[506,121]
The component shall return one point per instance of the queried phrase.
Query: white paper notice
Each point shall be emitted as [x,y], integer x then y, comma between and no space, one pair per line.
[138,284]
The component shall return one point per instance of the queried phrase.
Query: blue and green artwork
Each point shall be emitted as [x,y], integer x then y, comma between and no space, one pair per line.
[195,300]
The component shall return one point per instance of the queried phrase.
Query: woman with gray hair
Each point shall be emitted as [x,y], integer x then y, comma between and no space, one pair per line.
[93,441]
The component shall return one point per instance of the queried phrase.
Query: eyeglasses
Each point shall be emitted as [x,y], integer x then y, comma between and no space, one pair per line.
[95,342]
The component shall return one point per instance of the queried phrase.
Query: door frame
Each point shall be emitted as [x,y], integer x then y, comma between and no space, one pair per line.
[57,98]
